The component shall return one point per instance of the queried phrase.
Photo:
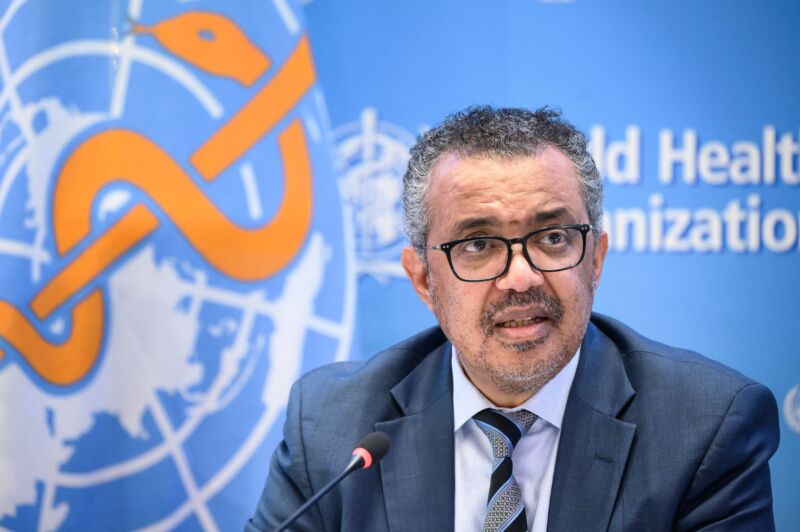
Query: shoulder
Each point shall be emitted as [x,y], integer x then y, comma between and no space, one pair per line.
[328,410]
[332,406]
[682,398]
[649,363]
[704,430]
[366,385]
[384,369]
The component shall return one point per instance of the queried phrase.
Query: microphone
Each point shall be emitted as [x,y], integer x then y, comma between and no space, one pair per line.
[368,451]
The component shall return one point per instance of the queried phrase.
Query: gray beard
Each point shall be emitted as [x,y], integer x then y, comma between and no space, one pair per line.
[531,378]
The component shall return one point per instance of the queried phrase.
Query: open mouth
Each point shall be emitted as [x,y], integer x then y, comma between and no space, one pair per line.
[522,326]
[521,322]
[522,317]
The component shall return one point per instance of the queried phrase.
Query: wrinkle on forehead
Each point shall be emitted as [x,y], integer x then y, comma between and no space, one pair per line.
[555,215]
[468,193]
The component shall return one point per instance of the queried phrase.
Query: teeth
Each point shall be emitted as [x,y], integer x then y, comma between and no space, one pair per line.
[518,323]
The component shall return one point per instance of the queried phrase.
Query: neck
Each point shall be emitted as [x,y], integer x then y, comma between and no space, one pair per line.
[494,393]
[506,400]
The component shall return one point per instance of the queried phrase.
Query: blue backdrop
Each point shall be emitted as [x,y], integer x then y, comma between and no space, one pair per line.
[200,201]
[694,115]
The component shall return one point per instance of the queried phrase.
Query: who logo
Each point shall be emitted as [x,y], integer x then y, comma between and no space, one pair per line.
[371,158]
[172,257]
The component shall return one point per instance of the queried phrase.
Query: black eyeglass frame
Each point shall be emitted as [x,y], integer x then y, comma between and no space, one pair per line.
[446,247]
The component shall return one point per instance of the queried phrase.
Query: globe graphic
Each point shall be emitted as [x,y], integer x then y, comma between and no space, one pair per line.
[791,408]
[174,425]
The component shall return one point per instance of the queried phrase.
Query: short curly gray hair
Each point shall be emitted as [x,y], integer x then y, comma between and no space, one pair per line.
[496,132]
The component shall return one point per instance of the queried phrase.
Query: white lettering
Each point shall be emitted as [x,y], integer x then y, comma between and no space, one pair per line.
[706,232]
[703,230]
[713,163]
[786,151]
[734,216]
[745,168]
[622,162]
[679,221]
[753,222]
[768,147]
[669,156]
[779,240]
[635,220]
[656,221]
[597,147]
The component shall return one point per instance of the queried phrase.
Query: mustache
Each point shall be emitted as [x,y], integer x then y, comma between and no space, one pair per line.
[532,298]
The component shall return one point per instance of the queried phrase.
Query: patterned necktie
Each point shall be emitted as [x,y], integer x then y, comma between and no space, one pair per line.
[505,510]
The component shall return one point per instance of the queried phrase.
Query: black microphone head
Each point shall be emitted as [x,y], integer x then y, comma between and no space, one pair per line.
[376,444]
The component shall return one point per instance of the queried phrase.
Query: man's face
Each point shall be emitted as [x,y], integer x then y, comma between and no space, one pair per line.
[514,333]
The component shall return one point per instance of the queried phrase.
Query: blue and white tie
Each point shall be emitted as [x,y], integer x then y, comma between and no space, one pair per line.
[505,510]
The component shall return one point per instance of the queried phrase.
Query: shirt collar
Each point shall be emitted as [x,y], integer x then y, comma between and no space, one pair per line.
[548,403]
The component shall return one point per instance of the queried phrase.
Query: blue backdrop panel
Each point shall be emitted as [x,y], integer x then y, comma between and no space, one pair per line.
[155,308]
[694,119]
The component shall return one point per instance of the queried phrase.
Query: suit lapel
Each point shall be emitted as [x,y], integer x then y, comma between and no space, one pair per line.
[418,474]
[594,444]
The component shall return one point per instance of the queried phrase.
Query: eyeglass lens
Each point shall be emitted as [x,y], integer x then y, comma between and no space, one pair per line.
[484,258]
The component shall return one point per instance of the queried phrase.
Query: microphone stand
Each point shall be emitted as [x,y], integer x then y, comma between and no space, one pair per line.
[354,464]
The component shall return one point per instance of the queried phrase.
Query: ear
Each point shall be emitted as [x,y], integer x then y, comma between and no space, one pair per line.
[417,274]
[599,257]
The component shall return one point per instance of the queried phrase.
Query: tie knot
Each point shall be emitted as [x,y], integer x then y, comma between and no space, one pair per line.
[504,429]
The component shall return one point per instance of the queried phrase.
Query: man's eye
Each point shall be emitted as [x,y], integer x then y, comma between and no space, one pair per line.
[475,246]
[553,238]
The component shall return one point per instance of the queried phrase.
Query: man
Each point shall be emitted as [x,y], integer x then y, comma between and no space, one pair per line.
[523,410]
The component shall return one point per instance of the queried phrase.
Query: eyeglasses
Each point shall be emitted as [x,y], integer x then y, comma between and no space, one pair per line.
[550,249]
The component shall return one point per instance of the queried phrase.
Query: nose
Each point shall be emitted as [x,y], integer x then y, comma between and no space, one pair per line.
[521,276]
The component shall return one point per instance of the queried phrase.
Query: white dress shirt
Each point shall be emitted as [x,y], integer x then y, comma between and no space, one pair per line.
[534,456]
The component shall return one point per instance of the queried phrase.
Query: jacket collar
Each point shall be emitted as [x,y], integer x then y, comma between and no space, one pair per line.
[418,473]
[594,444]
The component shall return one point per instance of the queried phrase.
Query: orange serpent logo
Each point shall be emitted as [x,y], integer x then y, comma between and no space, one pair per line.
[214,44]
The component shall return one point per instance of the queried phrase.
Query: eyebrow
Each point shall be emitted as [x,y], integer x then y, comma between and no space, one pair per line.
[555,214]
[473,223]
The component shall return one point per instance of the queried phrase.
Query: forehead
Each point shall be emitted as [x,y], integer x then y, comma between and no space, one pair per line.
[492,191]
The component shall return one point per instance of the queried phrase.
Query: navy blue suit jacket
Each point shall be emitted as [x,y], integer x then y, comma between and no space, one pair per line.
[654,438]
